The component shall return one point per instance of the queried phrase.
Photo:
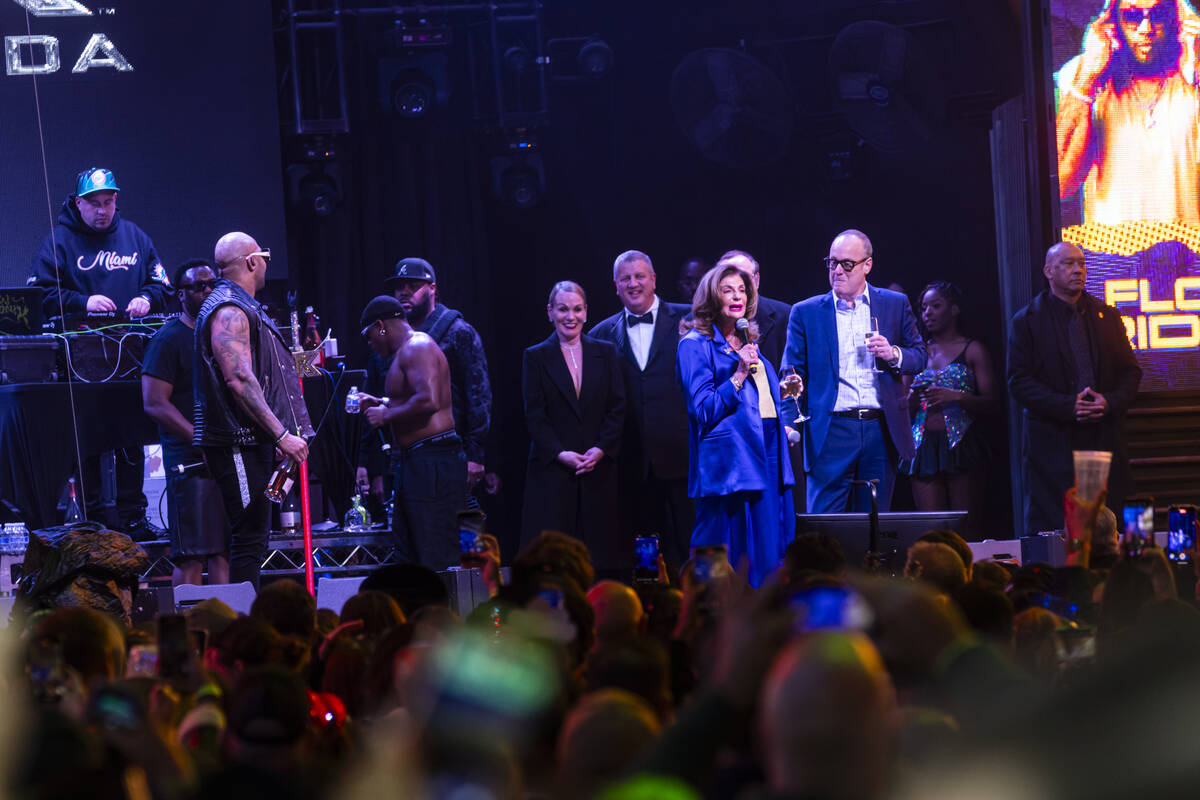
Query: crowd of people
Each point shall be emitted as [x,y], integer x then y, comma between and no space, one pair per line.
[753,662]
[827,682]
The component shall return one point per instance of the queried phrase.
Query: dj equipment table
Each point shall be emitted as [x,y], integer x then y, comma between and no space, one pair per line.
[37,437]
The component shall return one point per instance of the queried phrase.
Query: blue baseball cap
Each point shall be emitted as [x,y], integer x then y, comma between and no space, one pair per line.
[95,179]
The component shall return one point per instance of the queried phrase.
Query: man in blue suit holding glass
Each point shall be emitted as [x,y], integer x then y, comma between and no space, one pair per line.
[851,347]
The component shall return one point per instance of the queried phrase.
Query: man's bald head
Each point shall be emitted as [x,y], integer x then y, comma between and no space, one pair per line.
[827,718]
[1060,249]
[937,564]
[859,236]
[231,257]
[1065,271]
[618,611]
[605,733]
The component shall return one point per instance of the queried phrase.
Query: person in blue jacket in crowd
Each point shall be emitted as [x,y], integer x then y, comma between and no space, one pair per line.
[738,470]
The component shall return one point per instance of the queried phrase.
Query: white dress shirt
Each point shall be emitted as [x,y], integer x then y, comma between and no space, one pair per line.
[858,386]
[641,335]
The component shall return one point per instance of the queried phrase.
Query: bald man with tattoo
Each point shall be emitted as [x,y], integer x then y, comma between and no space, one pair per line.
[429,465]
[248,401]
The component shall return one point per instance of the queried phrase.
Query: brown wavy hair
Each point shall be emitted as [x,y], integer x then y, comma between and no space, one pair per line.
[706,303]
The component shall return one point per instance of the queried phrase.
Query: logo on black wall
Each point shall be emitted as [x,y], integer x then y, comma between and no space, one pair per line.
[40,54]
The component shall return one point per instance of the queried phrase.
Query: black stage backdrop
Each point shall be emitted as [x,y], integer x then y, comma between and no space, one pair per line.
[191,131]
[620,175]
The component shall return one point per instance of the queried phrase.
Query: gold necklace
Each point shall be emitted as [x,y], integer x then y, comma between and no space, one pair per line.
[1150,118]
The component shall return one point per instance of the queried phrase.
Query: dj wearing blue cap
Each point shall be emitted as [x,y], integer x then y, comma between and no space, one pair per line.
[96,262]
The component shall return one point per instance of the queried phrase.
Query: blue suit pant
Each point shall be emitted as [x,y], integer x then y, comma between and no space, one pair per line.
[756,526]
[853,450]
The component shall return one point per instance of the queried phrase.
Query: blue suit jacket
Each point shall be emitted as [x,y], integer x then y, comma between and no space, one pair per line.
[812,348]
[725,431]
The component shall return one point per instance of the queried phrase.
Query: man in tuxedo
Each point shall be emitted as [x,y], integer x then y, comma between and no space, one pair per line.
[772,315]
[860,424]
[653,464]
[1073,372]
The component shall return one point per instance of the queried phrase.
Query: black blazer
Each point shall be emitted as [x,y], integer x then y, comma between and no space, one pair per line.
[772,319]
[656,421]
[1042,377]
[556,418]
[583,506]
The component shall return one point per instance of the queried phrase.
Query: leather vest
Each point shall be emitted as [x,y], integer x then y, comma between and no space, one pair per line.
[218,419]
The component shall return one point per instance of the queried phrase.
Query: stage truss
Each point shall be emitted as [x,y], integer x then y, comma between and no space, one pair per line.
[334,553]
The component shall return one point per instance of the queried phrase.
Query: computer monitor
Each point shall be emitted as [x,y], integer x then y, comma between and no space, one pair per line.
[897,532]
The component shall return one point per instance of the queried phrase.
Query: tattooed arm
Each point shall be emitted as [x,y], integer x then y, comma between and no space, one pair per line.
[230,332]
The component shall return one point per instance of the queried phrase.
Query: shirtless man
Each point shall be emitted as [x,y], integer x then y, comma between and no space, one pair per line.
[430,467]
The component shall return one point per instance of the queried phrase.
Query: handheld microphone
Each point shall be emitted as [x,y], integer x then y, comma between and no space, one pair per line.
[742,326]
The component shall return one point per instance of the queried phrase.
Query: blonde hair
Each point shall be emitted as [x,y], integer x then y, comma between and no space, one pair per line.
[566,286]
[706,303]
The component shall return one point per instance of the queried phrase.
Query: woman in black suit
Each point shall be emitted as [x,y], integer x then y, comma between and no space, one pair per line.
[575,409]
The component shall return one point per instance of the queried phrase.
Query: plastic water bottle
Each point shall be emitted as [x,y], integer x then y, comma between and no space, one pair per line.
[352,401]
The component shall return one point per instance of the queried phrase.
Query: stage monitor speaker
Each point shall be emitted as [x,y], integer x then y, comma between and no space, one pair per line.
[466,588]
[897,531]
[238,596]
[1046,548]
[996,550]
[332,593]
[152,601]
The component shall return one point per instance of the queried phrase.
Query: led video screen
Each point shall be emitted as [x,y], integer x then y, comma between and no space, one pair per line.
[177,98]
[1128,142]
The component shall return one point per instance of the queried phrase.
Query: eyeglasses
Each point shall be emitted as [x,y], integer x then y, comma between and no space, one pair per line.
[1159,15]
[846,264]
[198,286]
[264,254]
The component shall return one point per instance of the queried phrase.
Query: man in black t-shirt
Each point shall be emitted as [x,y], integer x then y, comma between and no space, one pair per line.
[199,529]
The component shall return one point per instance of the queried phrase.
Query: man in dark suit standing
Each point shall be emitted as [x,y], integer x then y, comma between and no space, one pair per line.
[1072,370]
[772,315]
[653,465]
[860,425]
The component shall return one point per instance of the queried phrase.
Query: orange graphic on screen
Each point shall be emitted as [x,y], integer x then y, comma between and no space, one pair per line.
[1129,115]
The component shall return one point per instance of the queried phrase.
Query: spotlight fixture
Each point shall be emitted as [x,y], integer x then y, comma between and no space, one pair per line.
[412,98]
[518,179]
[595,58]
[315,187]
[518,58]
[414,87]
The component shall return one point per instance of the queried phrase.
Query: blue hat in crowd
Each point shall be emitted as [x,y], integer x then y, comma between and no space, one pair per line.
[95,179]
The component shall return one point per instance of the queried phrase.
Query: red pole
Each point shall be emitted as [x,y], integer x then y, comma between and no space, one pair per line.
[306,520]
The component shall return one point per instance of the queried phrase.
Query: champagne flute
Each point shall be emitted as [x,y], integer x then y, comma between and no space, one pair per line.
[792,386]
[874,331]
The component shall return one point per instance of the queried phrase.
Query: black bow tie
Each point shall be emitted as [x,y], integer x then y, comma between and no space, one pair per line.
[647,318]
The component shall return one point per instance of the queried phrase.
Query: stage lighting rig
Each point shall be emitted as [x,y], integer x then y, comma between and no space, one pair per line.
[518,176]
[579,59]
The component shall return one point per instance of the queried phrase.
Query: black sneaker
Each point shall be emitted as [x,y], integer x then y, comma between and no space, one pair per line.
[143,530]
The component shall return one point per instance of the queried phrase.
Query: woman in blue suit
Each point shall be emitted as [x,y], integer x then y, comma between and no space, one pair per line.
[738,470]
